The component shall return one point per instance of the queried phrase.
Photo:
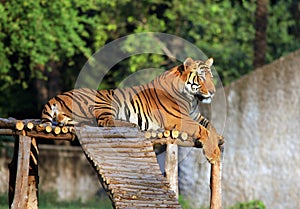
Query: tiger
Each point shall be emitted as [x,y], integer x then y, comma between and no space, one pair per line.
[170,101]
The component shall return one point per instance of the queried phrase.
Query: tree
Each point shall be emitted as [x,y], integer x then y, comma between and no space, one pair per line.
[260,40]
[44,44]
[37,38]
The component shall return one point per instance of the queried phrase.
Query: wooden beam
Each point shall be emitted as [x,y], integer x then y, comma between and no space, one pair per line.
[33,178]
[171,166]
[215,184]
[20,197]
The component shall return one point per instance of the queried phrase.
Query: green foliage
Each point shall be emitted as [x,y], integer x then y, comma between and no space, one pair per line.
[36,33]
[49,201]
[33,33]
[254,204]
[281,23]
[184,203]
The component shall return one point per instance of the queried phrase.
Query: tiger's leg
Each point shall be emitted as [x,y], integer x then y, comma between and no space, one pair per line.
[210,144]
[207,124]
[106,118]
[109,122]
[206,138]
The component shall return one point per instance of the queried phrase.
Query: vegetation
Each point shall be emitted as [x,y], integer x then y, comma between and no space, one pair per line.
[49,201]
[254,204]
[43,45]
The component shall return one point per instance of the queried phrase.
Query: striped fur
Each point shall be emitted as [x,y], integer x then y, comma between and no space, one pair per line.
[169,101]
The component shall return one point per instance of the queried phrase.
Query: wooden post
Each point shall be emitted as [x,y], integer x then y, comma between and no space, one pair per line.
[22,188]
[33,178]
[13,172]
[215,184]
[171,166]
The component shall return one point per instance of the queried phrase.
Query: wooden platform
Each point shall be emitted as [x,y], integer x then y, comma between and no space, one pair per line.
[127,167]
[123,158]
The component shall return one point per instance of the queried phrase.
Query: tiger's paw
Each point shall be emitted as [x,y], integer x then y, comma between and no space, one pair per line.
[212,155]
[211,145]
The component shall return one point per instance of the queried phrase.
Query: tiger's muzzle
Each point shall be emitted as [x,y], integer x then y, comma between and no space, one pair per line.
[205,98]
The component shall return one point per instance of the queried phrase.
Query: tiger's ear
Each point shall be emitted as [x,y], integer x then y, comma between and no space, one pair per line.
[209,62]
[188,62]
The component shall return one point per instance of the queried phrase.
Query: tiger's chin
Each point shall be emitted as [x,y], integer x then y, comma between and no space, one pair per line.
[205,100]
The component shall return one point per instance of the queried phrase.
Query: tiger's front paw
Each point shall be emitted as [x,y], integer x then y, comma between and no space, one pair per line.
[211,145]
[213,155]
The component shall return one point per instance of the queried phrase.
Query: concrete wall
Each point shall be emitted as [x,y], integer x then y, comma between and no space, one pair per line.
[262,159]
[61,169]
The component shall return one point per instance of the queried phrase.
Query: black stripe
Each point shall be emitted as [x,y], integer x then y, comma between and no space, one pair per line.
[163,107]
[127,112]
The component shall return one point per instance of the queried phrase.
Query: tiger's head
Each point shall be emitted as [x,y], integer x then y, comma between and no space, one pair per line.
[198,79]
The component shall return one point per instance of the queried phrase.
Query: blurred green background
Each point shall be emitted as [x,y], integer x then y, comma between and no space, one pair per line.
[44,44]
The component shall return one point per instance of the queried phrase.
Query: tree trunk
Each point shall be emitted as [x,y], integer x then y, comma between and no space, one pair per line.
[260,40]
[54,85]
[41,88]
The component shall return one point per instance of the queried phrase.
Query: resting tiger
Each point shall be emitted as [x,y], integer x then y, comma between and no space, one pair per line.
[169,101]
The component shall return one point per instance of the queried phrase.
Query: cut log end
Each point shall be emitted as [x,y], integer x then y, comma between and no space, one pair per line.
[184,136]
[48,129]
[57,130]
[167,133]
[19,125]
[30,125]
[160,135]
[153,134]
[147,135]
[64,129]
[174,134]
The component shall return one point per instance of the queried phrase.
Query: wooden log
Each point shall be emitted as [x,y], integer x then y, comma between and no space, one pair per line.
[120,159]
[184,136]
[20,199]
[45,127]
[72,129]
[109,132]
[171,167]
[57,130]
[38,134]
[10,123]
[167,133]
[160,135]
[33,176]
[6,132]
[13,165]
[147,134]
[19,125]
[157,183]
[48,128]
[174,134]
[40,127]
[125,154]
[64,129]
[129,141]
[215,186]
[153,134]
[120,168]
[30,125]
[140,147]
